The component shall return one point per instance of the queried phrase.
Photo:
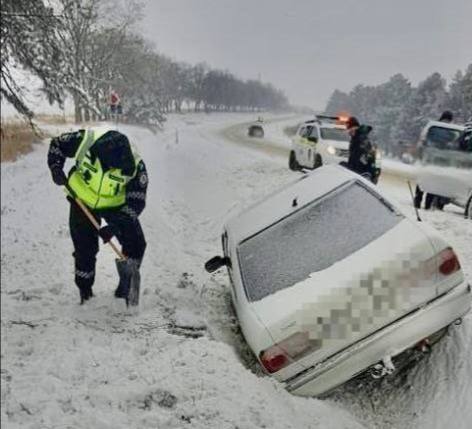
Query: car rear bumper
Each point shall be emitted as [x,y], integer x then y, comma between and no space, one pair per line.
[388,342]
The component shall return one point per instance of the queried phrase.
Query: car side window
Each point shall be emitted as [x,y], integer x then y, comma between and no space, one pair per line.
[308,131]
[314,132]
[301,133]
[442,138]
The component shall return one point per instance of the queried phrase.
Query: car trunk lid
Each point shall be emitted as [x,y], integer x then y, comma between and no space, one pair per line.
[355,296]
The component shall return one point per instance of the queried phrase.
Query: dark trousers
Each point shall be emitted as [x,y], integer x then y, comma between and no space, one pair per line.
[419,198]
[85,238]
[365,172]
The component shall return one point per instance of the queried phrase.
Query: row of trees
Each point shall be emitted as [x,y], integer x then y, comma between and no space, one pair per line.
[85,48]
[397,110]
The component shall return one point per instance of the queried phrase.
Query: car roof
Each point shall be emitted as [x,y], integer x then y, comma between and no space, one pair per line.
[445,125]
[281,203]
[322,124]
[328,125]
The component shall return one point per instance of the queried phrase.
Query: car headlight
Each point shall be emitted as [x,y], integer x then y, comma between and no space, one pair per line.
[331,150]
[378,155]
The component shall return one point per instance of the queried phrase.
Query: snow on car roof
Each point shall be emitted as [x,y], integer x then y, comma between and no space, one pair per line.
[328,125]
[446,125]
[323,125]
[289,199]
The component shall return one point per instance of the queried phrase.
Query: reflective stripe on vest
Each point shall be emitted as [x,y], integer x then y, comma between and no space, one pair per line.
[96,188]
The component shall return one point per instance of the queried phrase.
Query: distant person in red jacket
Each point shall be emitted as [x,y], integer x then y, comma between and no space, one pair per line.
[115,103]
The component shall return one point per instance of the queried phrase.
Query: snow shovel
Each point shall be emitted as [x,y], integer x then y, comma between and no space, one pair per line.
[128,269]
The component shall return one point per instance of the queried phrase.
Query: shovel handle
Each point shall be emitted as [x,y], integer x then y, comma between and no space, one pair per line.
[93,221]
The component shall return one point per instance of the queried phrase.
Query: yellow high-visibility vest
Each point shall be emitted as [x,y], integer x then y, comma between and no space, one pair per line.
[96,188]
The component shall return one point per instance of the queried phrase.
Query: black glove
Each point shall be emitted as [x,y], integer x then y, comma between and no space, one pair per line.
[106,233]
[58,176]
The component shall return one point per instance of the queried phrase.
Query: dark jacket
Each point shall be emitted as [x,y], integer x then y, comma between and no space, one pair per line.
[465,141]
[114,151]
[360,150]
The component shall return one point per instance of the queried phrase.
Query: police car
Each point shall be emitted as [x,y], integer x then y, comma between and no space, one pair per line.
[323,140]
[446,164]
[321,300]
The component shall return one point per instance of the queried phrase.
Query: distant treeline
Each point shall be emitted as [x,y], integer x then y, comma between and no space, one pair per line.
[87,48]
[397,110]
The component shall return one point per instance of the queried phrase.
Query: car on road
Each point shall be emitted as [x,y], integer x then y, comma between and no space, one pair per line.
[330,280]
[256,129]
[323,140]
[446,165]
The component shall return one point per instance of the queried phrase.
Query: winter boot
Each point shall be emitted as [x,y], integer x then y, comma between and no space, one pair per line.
[129,279]
[85,294]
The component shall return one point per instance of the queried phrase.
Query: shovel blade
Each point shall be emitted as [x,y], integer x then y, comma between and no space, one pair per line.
[130,281]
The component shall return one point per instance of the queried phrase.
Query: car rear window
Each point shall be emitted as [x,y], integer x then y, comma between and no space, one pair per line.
[312,239]
[443,138]
[337,134]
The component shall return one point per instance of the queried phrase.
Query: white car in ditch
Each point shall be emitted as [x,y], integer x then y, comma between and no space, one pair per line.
[446,165]
[330,280]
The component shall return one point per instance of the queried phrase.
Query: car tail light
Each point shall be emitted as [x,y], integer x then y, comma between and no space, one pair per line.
[292,348]
[448,262]
[273,359]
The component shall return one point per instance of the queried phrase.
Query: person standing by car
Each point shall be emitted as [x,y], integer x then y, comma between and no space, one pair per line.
[465,140]
[115,105]
[111,180]
[361,151]
[446,117]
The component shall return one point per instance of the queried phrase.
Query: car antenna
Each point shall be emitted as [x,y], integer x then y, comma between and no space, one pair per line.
[413,199]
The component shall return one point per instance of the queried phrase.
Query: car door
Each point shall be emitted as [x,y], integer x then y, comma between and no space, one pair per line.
[314,139]
[300,146]
[306,146]
[309,146]
[447,169]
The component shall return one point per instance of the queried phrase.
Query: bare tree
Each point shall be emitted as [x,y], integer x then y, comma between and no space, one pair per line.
[89,47]
[29,40]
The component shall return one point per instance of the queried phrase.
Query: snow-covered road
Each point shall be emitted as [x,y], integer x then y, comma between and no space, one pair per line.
[180,362]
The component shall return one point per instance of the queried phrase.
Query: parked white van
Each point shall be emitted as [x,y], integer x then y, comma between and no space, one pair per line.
[446,165]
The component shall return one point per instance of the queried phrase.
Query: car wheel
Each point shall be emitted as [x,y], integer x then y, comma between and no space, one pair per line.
[292,162]
[468,209]
[318,161]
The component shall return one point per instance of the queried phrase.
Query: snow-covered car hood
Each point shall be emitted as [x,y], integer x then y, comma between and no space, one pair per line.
[336,144]
[356,296]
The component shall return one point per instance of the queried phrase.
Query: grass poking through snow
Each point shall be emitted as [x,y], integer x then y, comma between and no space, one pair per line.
[17,138]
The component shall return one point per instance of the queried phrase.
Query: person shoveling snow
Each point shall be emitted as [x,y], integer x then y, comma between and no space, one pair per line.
[108,181]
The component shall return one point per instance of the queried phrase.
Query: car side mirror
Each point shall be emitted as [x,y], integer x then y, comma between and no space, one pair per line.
[216,263]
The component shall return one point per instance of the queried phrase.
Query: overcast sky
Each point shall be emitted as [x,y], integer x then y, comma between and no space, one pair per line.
[308,48]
